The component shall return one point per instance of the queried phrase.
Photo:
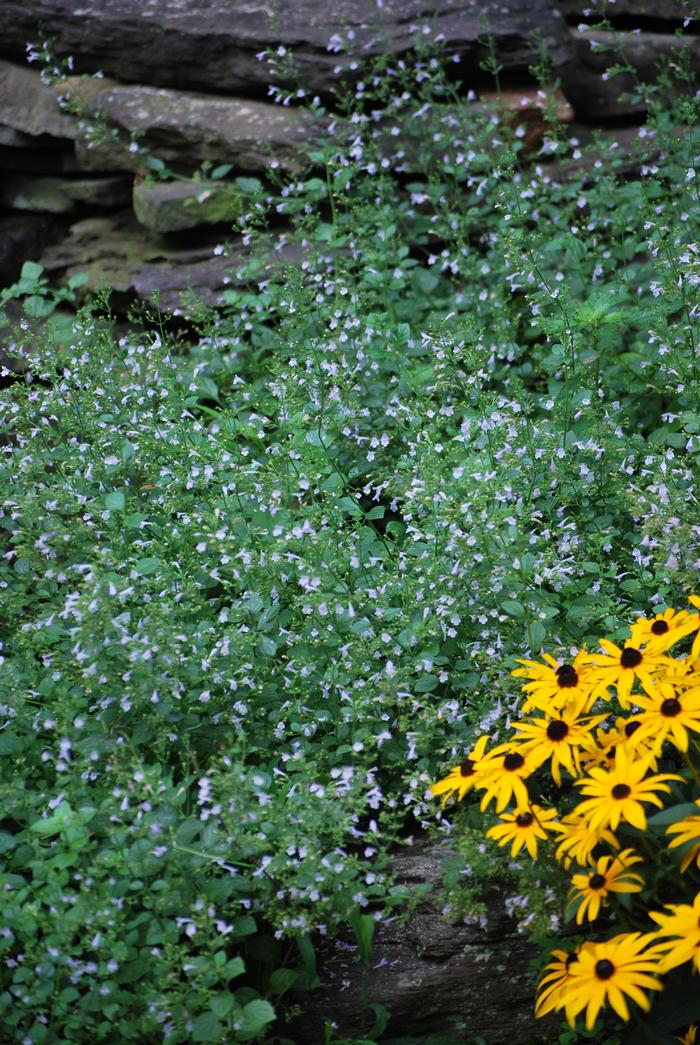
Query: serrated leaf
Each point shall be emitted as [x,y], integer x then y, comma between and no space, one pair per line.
[206,1028]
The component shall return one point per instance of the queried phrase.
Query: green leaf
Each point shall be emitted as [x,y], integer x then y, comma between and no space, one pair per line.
[147,565]
[673,814]
[31,270]
[61,819]
[115,501]
[222,1004]
[254,1018]
[10,744]
[515,609]
[221,171]
[363,925]
[282,979]
[426,684]
[206,1028]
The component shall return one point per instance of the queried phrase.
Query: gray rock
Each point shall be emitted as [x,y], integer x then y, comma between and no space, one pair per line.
[213,44]
[63,195]
[22,238]
[433,975]
[169,206]
[594,97]
[183,129]
[30,106]
[674,11]
[119,255]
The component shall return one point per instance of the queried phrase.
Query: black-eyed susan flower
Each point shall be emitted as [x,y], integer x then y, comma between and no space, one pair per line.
[619,667]
[667,714]
[577,839]
[524,826]
[463,777]
[688,831]
[681,924]
[610,874]
[502,776]
[608,740]
[560,738]
[553,686]
[618,793]
[554,981]
[609,972]
[678,622]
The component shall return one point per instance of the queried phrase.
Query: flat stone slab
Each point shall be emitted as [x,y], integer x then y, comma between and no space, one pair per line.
[63,195]
[183,129]
[674,11]
[214,44]
[170,206]
[29,106]
[594,97]
[118,254]
[435,976]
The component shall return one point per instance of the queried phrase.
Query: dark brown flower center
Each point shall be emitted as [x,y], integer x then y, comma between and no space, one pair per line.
[596,881]
[630,657]
[524,819]
[513,761]
[466,768]
[621,791]
[604,969]
[670,708]
[631,727]
[567,676]
[659,627]
[557,729]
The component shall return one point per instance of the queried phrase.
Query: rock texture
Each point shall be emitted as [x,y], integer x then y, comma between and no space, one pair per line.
[63,195]
[118,254]
[594,94]
[432,974]
[171,206]
[27,105]
[184,128]
[674,11]
[213,45]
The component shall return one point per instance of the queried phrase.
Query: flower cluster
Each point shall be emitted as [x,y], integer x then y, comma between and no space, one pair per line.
[617,767]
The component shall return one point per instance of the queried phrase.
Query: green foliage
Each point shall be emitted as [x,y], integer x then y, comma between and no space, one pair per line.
[262,582]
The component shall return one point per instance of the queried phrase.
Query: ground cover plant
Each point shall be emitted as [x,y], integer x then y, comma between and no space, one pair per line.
[263,578]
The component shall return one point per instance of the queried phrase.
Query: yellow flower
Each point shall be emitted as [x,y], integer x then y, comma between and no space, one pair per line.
[619,667]
[667,715]
[608,740]
[688,830]
[558,738]
[555,686]
[610,875]
[679,622]
[502,775]
[523,827]
[682,924]
[606,972]
[578,839]
[463,777]
[689,1038]
[554,980]
[618,793]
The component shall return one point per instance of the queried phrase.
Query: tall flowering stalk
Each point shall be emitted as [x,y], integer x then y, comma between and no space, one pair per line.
[621,726]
